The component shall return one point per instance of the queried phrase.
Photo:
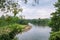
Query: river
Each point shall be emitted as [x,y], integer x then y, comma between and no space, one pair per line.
[36,33]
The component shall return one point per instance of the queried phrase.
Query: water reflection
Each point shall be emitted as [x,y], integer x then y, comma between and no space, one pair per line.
[36,33]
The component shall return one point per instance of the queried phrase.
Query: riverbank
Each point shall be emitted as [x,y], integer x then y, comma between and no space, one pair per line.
[8,28]
[35,33]
[27,28]
[9,32]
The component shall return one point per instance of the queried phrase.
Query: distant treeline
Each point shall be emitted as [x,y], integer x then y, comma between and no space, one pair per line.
[40,22]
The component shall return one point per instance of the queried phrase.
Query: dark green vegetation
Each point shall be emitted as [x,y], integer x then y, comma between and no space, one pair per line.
[55,23]
[9,27]
[40,22]
[55,36]
[23,21]
[9,32]
[8,20]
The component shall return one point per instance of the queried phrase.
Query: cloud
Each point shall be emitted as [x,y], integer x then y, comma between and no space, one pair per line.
[43,10]
[31,13]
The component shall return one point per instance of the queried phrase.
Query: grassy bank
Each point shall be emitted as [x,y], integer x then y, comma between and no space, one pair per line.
[9,31]
[9,27]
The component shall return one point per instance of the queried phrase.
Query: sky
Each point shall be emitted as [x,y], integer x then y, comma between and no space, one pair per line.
[32,10]
[41,10]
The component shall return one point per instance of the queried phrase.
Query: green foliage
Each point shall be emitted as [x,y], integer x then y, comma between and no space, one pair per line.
[23,22]
[11,20]
[8,20]
[40,22]
[55,36]
[55,23]
[9,27]
[10,5]
[16,10]
[1,3]
[55,19]
[8,32]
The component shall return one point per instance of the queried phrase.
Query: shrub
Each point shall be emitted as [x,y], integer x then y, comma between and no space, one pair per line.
[23,22]
[9,32]
[55,36]
[9,20]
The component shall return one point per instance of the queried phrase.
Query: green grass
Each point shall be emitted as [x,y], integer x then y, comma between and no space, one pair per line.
[8,32]
[8,28]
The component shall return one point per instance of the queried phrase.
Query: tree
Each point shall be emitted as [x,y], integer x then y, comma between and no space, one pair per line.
[10,5]
[55,19]
[15,8]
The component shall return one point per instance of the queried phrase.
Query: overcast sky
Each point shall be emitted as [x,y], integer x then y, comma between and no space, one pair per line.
[41,10]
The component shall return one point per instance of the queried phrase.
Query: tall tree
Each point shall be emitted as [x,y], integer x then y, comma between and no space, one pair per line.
[55,19]
[10,5]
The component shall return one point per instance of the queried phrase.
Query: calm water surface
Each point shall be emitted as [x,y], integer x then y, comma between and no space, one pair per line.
[36,33]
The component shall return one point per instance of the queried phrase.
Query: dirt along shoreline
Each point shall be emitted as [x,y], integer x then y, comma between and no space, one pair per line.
[27,28]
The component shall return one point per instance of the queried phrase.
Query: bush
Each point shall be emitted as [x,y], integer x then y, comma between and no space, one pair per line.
[9,20]
[9,27]
[55,36]
[23,22]
[9,32]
